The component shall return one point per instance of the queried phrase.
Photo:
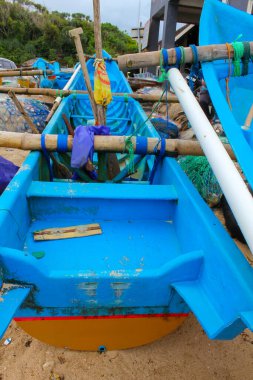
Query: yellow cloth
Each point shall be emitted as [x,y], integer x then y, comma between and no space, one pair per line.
[102,87]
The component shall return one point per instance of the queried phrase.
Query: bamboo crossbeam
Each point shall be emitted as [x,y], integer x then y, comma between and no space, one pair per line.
[24,73]
[64,93]
[20,69]
[113,144]
[205,54]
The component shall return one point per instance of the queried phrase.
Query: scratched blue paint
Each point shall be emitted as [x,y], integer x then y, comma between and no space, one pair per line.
[221,23]
[162,250]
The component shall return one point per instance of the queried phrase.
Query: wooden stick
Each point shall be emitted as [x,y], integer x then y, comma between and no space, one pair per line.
[25,73]
[61,169]
[52,111]
[75,34]
[68,125]
[102,158]
[108,166]
[51,92]
[116,144]
[248,119]
[98,48]
[22,111]
[205,54]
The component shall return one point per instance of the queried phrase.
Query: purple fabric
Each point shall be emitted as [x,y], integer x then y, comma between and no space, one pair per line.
[83,144]
[7,172]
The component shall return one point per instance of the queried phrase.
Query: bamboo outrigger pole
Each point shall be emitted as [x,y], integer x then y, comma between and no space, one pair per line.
[24,73]
[115,144]
[152,58]
[64,93]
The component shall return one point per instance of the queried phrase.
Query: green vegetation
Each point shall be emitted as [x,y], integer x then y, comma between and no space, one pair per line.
[29,30]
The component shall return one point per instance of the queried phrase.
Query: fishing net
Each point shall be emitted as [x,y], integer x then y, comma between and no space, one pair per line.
[200,173]
[11,119]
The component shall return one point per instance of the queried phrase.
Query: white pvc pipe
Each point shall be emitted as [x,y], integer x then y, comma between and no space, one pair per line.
[231,183]
[71,79]
[68,84]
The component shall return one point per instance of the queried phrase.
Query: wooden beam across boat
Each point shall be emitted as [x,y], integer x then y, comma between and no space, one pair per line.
[23,73]
[115,144]
[152,58]
[54,93]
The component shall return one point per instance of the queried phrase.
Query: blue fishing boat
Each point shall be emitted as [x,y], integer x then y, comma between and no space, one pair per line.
[59,77]
[230,82]
[155,252]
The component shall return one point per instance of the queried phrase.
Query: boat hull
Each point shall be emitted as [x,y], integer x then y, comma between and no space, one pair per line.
[232,96]
[161,253]
[101,333]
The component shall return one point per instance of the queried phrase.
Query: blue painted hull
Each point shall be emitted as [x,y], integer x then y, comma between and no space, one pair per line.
[219,24]
[161,254]
[59,77]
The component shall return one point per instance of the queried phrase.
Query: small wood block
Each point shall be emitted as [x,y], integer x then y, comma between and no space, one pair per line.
[67,232]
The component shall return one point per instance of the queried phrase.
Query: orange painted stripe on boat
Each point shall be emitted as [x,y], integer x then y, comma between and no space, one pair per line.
[66,318]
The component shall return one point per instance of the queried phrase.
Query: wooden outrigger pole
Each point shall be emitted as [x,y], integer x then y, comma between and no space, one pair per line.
[64,93]
[23,73]
[113,144]
[152,58]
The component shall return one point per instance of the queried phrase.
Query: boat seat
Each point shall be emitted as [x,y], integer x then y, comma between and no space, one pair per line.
[101,191]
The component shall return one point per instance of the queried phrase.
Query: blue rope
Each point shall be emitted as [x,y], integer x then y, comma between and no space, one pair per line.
[195,66]
[158,158]
[46,155]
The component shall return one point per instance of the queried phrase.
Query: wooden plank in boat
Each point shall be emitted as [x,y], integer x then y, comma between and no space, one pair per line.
[67,232]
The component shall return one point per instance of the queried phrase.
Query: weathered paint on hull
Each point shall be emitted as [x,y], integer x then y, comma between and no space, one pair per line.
[91,333]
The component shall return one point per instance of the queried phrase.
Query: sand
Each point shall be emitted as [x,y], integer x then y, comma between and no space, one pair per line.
[185,354]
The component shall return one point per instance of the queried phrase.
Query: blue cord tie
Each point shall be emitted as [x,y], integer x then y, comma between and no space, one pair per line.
[62,143]
[165,59]
[178,56]
[159,157]
[195,66]
[141,145]
[46,155]
[195,54]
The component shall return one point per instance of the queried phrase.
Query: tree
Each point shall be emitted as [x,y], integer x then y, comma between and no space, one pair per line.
[29,30]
